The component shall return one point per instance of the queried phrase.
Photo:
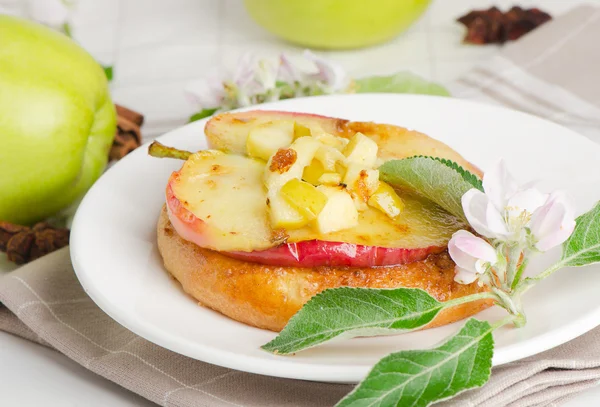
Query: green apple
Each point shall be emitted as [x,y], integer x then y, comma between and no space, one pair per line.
[57,121]
[336,24]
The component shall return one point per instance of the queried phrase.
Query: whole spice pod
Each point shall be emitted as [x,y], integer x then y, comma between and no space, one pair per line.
[493,26]
[129,136]
[23,244]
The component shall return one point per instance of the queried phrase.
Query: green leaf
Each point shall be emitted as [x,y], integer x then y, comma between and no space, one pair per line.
[347,312]
[402,82]
[66,29]
[420,377]
[108,71]
[202,114]
[441,181]
[466,175]
[583,247]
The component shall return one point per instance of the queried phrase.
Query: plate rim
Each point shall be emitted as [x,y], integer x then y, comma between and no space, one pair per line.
[281,367]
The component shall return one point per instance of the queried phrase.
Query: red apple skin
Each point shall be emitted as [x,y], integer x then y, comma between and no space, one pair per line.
[310,253]
[320,253]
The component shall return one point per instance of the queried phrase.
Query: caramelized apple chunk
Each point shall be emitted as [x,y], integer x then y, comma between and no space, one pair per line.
[386,200]
[264,140]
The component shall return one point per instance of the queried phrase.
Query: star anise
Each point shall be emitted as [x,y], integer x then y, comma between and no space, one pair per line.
[128,136]
[23,244]
[494,26]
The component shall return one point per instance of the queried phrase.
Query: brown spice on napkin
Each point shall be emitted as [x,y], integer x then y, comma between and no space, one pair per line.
[494,26]
[128,136]
[23,244]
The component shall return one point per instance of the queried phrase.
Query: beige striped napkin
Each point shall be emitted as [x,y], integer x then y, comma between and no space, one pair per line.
[552,72]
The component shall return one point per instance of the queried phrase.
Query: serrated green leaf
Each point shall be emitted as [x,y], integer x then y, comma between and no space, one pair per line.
[402,82]
[441,181]
[347,312]
[467,176]
[202,114]
[583,247]
[420,377]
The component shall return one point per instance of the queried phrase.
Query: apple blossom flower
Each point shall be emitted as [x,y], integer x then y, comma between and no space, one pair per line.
[329,73]
[504,209]
[553,223]
[288,72]
[473,256]
[265,80]
[206,94]
[53,13]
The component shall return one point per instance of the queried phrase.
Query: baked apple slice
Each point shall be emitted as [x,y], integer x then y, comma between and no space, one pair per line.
[229,132]
[218,201]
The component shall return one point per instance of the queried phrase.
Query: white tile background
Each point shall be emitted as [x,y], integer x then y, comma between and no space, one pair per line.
[157,47]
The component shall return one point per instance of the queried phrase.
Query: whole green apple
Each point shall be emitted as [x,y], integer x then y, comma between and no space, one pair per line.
[336,24]
[57,121]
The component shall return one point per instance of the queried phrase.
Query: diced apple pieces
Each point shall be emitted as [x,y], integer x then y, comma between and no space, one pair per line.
[338,143]
[386,200]
[264,140]
[305,149]
[313,172]
[361,181]
[339,211]
[304,197]
[330,178]
[361,150]
[301,131]
[281,213]
[329,157]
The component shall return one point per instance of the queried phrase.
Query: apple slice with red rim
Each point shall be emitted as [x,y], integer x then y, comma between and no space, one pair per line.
[218,201]
[320,253]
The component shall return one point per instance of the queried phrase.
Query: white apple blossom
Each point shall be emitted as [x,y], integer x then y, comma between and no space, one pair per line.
[473,256]
[207,93]
[288,72]
[504,209]
[330,74]
[553,223]
[264,80]
[517,219]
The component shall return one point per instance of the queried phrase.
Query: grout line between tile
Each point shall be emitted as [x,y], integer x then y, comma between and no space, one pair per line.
[118,34]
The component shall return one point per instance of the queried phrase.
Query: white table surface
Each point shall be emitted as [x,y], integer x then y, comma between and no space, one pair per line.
[157,47]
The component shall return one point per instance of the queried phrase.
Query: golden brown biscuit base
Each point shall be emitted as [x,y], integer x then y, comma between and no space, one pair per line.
[267,296]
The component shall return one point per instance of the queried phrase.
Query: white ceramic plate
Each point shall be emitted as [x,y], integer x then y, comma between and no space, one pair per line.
[116,259]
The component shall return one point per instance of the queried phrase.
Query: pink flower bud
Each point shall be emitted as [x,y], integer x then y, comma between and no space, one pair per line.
[472,255]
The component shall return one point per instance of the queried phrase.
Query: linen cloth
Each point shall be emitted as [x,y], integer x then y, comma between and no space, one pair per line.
[552,72]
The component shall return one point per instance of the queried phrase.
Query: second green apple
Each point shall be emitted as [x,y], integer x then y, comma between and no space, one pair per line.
[336,24]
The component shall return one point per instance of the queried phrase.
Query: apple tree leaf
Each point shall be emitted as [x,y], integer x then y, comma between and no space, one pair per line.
[467,176]
[421,377]
[401,82]
[347,312]
[439,180]
[583,247]
[202,114]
